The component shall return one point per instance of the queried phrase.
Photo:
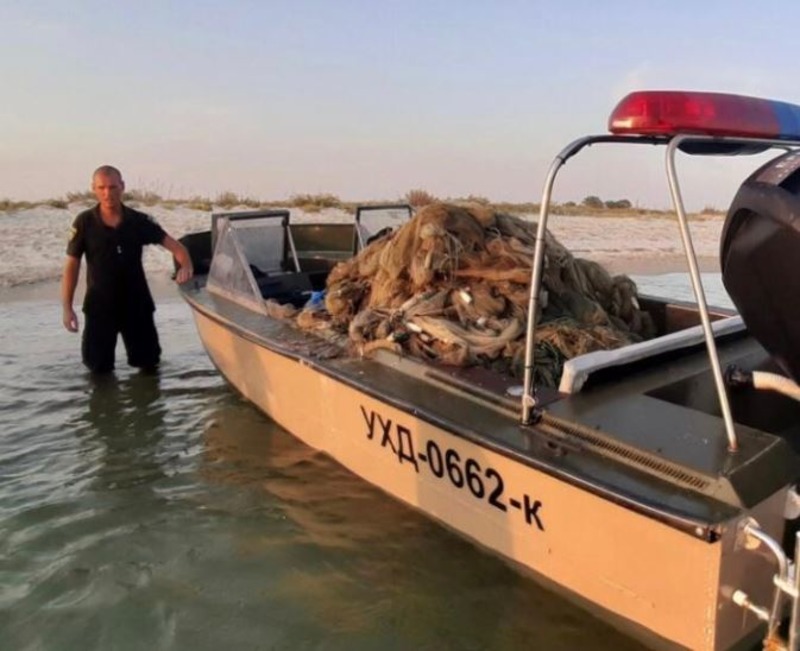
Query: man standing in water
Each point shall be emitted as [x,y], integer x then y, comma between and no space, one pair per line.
[118,301]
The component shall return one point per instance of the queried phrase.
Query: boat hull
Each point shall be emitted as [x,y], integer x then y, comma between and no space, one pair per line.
[658,582]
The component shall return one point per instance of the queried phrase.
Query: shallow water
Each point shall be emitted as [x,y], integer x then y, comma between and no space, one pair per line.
[679,286]
[167,513]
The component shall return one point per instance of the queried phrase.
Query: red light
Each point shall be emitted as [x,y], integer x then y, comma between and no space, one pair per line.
[669,113]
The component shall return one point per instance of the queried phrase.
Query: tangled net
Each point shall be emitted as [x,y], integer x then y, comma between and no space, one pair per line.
[452,286]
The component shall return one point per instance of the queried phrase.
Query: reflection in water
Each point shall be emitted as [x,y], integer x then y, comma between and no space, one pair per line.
[84,564]
[126,421]
[368,572]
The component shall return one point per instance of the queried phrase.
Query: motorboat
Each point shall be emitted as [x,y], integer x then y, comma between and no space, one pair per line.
[655,485]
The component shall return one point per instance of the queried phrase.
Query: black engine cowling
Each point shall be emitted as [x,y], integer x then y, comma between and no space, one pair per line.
[760,258]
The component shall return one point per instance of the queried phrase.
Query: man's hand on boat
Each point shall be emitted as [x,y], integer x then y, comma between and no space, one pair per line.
[182,259]
[184,273]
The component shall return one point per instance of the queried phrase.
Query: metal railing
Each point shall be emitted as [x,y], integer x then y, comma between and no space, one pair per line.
[687,142]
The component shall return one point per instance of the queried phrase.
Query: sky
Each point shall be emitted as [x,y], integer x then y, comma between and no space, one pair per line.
[368,99]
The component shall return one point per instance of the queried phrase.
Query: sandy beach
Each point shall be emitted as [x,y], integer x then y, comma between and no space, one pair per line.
[34,241]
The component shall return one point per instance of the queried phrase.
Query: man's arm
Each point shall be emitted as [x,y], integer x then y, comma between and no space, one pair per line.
[72,270]
[182,257]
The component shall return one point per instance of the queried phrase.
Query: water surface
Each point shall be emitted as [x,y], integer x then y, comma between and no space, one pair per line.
[147,513]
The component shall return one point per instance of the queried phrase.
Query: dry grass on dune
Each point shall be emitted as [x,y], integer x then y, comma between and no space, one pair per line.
[314,203]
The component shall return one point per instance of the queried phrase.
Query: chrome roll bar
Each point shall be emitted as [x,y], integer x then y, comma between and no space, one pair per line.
[530,412]
[699,293]
[529,402]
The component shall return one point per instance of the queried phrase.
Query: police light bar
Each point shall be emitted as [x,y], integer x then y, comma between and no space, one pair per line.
[669,113]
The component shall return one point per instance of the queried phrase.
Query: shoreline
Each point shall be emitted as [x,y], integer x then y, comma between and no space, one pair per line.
[163,287]
[655,265]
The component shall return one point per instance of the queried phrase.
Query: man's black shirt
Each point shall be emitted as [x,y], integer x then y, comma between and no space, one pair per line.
[115,281]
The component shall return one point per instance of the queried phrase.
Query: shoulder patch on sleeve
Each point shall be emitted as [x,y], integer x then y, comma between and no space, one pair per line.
[72,233]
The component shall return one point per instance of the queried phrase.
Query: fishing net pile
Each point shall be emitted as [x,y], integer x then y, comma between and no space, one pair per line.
[452,286]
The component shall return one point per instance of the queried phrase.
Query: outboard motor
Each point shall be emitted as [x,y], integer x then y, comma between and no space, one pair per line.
[760,258]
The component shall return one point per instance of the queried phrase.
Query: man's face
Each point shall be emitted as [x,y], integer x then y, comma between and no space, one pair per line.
[108,189]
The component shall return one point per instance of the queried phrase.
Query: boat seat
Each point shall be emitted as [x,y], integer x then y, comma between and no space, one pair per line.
[293,287]
[578,369]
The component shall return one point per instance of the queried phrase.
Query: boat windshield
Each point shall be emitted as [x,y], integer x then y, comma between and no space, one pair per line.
[375,220]
[247,249]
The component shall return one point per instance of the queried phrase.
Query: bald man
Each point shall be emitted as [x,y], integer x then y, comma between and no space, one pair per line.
[118,301]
